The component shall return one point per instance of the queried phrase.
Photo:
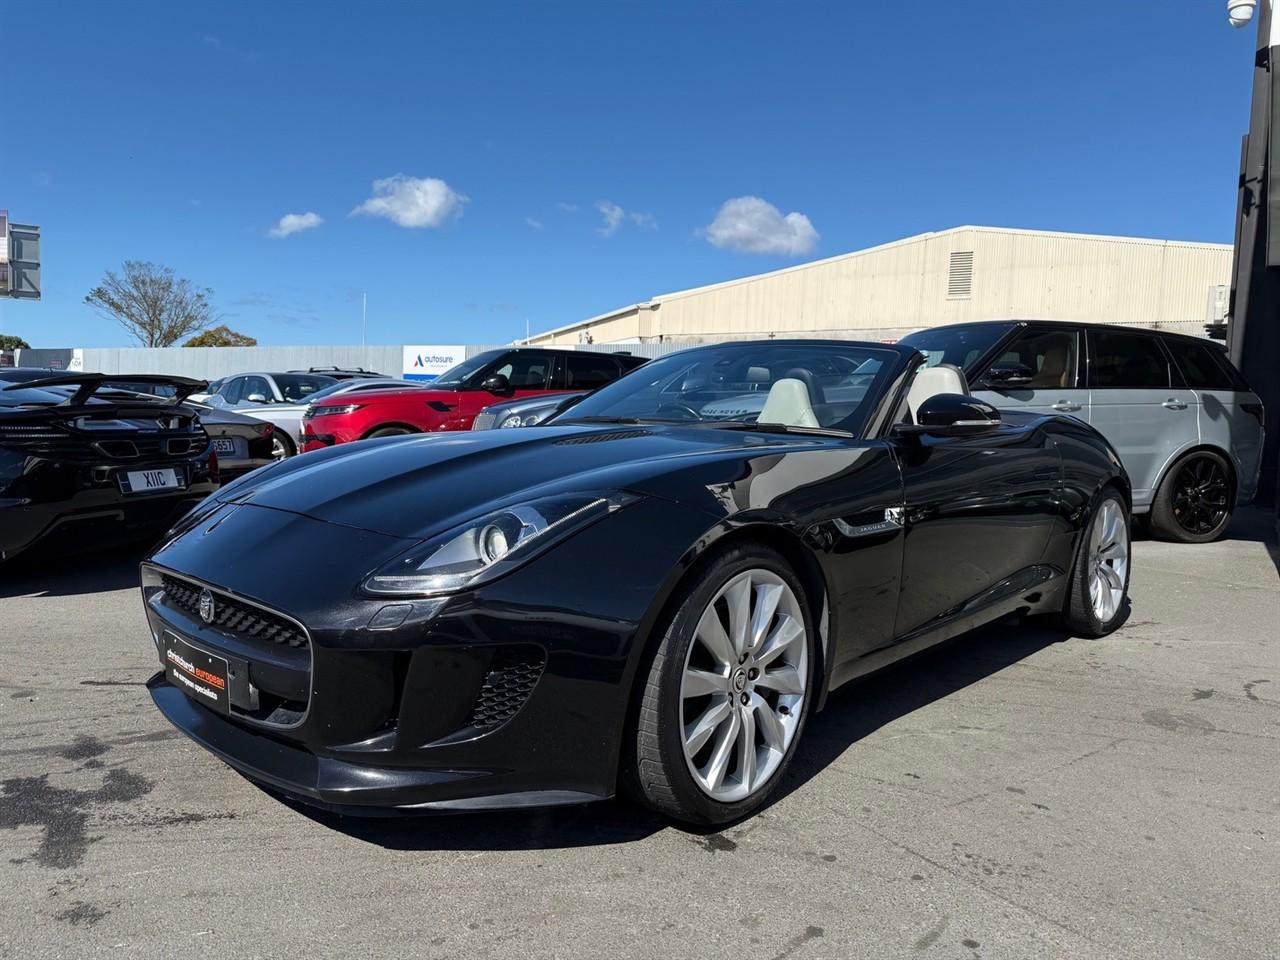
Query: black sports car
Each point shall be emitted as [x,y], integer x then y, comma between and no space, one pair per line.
[90,466]
[653,591]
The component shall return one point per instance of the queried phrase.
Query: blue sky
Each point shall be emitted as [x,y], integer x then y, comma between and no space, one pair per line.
[545,162]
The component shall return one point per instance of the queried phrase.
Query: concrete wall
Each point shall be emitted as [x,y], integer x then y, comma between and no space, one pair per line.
[890,290]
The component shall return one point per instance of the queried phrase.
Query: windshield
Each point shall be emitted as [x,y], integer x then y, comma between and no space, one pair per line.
[457,376]
[804,385]
[960,346]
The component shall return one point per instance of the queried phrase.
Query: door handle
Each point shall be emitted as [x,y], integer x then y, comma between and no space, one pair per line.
[1066,406]
[1174,404]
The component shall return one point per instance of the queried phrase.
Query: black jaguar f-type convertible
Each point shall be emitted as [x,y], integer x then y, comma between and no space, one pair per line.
[653,592]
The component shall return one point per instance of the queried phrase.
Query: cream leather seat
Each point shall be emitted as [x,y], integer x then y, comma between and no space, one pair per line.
[788,404]
[930,381]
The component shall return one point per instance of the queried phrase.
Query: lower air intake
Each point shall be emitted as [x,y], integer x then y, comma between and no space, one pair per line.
[513,673]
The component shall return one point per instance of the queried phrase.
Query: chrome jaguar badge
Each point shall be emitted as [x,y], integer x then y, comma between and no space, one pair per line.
[206,606]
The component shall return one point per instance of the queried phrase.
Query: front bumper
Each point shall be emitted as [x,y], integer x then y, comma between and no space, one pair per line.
[513,695]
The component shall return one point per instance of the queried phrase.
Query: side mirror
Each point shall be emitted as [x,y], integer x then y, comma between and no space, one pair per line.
[496,384]
[1007,375]
[256,398]
[952,415]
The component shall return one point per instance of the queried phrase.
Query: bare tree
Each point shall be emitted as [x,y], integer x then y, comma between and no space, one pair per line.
[156,308]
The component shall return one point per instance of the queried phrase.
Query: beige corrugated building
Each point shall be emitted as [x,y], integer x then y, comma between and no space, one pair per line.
[966,273]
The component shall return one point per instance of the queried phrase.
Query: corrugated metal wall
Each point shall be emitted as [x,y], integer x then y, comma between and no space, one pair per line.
[210,363]
[890,290]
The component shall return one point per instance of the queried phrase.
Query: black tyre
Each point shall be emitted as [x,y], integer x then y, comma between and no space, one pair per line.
[1193,502]
[1098,594]
[728,691]
[388,432]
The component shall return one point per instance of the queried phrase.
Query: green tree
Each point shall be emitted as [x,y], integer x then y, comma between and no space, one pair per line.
[155,307]
[9,342]
[221,336]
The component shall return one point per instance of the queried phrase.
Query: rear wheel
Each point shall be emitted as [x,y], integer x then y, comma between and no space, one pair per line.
[1099,590]
[1193,504]
[728,690]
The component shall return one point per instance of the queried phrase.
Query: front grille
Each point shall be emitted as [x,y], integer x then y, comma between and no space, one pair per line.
[236,617]
[484,420]
[512,675]
[603,437]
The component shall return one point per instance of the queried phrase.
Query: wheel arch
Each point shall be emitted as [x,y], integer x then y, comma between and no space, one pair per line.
[396,424]
[1233,472]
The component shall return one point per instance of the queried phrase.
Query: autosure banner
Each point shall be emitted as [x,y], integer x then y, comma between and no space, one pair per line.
[428,361]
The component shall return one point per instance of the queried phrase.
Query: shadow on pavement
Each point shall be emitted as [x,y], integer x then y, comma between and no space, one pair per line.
[1258,525]
[47,573]
[852,713]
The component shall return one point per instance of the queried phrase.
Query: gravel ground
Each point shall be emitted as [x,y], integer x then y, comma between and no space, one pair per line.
[1013,794]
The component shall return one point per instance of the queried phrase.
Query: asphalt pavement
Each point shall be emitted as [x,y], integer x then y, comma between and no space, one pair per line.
[1017,793]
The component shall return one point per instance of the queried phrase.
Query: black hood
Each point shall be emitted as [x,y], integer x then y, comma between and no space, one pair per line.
[417,486]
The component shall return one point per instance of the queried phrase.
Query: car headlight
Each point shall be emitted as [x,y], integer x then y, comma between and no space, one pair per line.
[333,410]
[492,545]
[515,420]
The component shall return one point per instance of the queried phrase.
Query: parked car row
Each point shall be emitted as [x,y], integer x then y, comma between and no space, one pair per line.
[1186,425]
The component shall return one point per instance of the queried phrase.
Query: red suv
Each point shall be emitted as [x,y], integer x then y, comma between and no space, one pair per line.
[456,396]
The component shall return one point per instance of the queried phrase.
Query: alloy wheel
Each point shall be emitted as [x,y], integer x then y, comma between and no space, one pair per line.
[743,686]
[1108,560]
[279,449]
[1200,495]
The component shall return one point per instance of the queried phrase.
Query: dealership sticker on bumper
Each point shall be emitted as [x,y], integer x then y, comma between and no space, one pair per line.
[200,675]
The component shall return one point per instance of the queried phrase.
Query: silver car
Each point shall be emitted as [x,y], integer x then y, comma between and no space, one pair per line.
[1184,421]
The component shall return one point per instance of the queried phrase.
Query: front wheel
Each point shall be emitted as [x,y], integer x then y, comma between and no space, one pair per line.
[281,446]
[1099,591]
[728,690]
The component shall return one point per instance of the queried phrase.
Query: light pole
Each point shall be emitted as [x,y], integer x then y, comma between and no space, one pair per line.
[1253,331]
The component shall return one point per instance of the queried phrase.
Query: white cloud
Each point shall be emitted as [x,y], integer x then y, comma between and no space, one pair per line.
[752,225]
[614,216]
[295,223]
[533,224]
[412,202]
[568,207]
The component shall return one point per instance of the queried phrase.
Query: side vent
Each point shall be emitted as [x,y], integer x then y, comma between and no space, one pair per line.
[960,275]
[602,437]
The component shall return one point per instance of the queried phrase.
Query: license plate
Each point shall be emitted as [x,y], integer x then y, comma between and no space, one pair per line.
[224,445]
[145,481]
[201,676]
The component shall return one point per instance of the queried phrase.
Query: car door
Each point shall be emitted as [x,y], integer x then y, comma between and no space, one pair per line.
[256,390]
[1134,403]
[528,373]
[977,515]
[1050,358]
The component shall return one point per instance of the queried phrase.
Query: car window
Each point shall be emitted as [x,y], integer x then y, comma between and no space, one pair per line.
[256,386]
[587,372]
[526,371]
[1126,360]
[1199,367]
[1049,356]
[232,389]
[298,388]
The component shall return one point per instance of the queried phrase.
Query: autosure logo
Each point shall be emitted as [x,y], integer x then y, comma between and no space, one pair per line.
[428,361]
